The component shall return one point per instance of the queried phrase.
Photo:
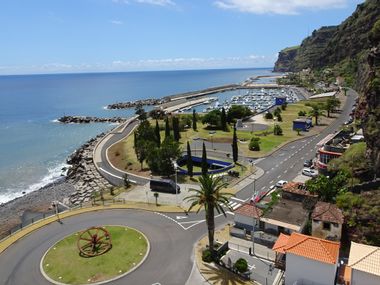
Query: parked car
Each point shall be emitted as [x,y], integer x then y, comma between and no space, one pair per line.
[281,183]
[309,172]
[164,185]
[308,163]
[257,198]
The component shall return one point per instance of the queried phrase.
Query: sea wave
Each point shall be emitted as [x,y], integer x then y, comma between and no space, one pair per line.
[54,121]
[54,173]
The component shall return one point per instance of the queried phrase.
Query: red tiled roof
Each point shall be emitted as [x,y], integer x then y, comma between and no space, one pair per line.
[313,248]
[249,210]
[297,188]
[281,243]
[327,212]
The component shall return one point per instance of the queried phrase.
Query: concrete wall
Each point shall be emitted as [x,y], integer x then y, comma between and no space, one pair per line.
[318,231]
[244,222]
[363,278]
[306,271]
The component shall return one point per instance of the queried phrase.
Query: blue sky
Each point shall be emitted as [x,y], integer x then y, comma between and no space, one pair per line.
[49,36]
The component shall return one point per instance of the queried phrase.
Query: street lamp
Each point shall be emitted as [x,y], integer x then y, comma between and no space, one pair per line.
[212,141]
[254,205]
[176,186]
[56,205]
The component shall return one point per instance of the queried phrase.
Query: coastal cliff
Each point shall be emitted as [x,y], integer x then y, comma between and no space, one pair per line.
[350,51]
[341,47]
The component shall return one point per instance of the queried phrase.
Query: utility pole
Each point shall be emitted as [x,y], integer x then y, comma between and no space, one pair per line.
[254,205]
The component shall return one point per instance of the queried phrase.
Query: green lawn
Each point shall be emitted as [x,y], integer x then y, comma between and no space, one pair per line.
[64,264]
[122,155]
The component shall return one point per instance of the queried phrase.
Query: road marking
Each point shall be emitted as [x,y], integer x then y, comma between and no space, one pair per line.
[271,182]
[302,157]
[277,165]
[228,212]
[263,188]
[113,175]
[279,176]
[237,199]
[286,171]
[293,147]
[181,217]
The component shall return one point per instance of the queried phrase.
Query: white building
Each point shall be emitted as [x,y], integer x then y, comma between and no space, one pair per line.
[364,261]
[308,260]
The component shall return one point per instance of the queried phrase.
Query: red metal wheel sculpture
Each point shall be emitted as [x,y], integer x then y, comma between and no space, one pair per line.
[94,241]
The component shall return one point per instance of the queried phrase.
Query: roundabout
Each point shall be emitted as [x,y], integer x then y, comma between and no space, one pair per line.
[169,260]
[96,255]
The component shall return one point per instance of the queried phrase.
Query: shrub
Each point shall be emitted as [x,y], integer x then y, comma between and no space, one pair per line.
[268,116]
[277,111]
[254,144]
[206,256]
[279,118]
[241,265]
[277,130]
[283,106]
[302,113]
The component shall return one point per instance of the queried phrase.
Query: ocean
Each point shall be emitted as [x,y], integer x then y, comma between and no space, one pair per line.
[34,147]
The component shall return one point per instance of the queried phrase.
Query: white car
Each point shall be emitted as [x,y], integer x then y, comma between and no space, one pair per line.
[281,183]
[309,172]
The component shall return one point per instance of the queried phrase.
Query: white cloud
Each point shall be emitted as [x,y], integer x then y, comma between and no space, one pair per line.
[177,63]
[157,2]
[284,7]
[116,22]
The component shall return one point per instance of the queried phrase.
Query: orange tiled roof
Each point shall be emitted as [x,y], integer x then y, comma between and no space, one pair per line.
[297,188]
[281,242]
[249,210]
[310,247]
[328,213]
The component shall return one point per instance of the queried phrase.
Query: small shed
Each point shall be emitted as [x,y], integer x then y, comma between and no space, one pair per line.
[280,100]
[303,124]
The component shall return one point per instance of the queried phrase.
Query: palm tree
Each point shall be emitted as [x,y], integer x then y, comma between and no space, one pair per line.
[316,112]
[210,197]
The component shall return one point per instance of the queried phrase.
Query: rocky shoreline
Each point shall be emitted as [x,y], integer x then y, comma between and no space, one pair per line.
[87,120]
[133,104]
[77,187]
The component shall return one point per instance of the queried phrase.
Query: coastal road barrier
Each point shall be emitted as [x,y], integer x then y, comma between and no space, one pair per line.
[35,224]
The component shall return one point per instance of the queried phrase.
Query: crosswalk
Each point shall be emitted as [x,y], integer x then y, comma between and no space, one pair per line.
[234,204]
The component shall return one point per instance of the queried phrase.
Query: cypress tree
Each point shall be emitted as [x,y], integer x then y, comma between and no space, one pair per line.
[223,120]
[204,163]
[176,133]
[167,128]
[235,146]
[158,136]
[189,161]
[194,121]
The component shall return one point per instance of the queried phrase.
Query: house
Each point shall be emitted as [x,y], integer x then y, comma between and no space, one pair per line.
[327,221]
[297,191]
[286,216]
[246,216]
[364,261]
[303,124]
[308,260]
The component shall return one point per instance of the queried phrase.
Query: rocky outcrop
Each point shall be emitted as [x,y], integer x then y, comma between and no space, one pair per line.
[87,120]
[133,104]
[285,59]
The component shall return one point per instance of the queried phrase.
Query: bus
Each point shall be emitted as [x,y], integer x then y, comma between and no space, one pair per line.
[164,185]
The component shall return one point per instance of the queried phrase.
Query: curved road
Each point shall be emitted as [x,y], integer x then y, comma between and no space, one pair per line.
[169,260]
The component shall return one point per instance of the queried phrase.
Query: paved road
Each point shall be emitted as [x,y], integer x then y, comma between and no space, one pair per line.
[112,174]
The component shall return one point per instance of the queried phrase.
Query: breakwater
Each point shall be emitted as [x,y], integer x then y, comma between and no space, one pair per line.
[87,119]
[133,104]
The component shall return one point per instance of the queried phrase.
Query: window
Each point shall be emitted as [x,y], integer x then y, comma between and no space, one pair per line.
[326,226]
[335,225]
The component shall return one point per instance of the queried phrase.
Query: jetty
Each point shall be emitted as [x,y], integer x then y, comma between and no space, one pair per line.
[87,120]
